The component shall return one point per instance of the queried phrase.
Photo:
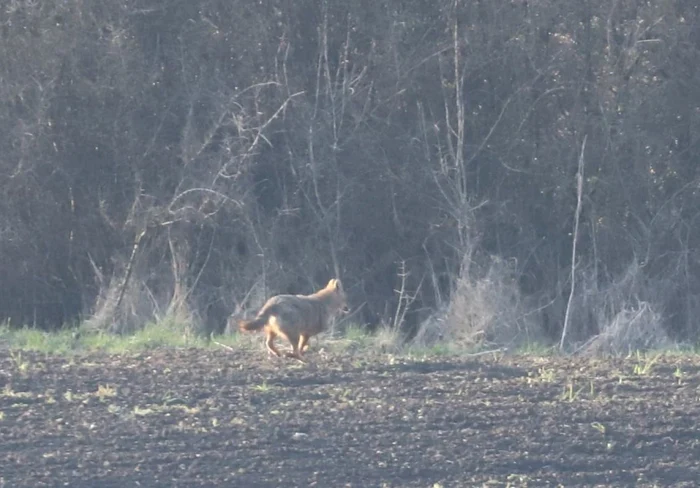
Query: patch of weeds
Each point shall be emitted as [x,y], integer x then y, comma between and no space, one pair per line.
[645,365]
[194,428]
[18,362]
[678,374]
[8,392]
[100,395]
[102,341]
[345,394]
[165,333]
[543,375]
[234,341]
[518,479]
[440,349]
[387,339]
[263,387]
[169,398]
[49,399]
[599,427]
[353,338]
[393,360]
[154,409]
[70,397]
[142,411]
[355,333]
[183,408]
[570,394]
[31,339]
[105,391]
[537,349]
[359,363]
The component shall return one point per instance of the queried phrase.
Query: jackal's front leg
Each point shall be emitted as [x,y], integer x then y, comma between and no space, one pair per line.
[295,341]
[303,343]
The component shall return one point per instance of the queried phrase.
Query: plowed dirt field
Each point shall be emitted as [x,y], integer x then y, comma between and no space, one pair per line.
[194,418]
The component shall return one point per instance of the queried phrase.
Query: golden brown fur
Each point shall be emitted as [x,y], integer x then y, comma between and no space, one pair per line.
[297,317]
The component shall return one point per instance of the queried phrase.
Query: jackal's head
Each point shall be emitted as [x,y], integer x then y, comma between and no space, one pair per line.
[340,300]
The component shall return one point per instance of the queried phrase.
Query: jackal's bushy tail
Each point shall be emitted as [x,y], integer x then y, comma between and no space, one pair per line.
[250,325]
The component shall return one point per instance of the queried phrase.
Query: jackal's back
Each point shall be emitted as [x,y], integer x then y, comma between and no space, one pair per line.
[305,314]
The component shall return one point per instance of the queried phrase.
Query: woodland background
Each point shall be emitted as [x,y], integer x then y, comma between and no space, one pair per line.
[187,158]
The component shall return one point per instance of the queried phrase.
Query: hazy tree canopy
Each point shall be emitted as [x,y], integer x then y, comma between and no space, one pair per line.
[191,157]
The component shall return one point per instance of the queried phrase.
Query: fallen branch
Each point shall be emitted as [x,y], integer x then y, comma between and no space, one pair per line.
[483,353]
[223,345]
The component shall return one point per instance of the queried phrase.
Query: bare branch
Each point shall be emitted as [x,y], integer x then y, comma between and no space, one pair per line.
[579,198]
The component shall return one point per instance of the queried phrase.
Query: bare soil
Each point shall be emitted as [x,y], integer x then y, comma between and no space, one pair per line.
[191,418]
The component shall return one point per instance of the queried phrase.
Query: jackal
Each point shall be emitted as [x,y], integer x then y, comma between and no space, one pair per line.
[298,317]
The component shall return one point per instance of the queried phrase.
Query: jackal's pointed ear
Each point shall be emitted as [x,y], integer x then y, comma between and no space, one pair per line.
[334,285]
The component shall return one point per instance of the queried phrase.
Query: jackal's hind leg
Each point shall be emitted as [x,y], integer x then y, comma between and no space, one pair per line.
[270,344]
